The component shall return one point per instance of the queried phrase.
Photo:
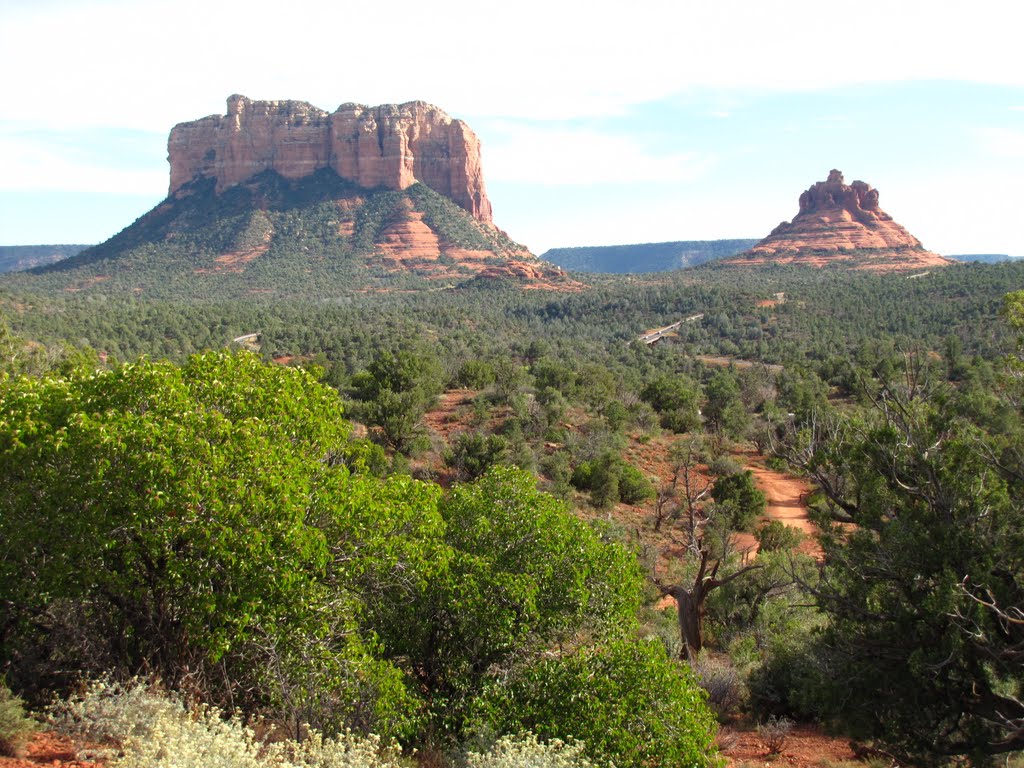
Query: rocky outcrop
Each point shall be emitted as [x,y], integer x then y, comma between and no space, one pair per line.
[842,223]
[530,275]
[390,146]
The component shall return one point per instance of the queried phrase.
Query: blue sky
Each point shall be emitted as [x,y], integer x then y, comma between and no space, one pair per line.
[600,125]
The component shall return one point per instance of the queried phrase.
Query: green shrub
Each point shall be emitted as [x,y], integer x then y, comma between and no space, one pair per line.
[627,702]
[15,727]
[617,416]
[676,399]
[556,467]
[474,374]
[793,680]
[518,575]
[724,465]
[742,501]
[582,476]
[776,535]
[610,479]
[195,523]
[634,487]
[473,453]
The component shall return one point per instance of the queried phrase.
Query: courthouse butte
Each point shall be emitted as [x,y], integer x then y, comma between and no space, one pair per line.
[289,198]
[391,146]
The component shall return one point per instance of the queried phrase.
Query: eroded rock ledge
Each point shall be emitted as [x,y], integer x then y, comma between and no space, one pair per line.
[392,146]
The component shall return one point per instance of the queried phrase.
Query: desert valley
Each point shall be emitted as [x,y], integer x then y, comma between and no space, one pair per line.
[313,464]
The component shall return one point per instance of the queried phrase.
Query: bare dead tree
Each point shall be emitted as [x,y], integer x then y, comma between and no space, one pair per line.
[691,597]
[666,502]
[681,493]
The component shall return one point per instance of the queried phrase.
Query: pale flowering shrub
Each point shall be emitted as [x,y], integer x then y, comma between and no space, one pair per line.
[526,751]
[342,751]
[147,728]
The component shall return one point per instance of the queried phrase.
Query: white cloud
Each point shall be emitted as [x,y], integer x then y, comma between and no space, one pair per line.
[151,63]
[1003,142]
[33,164]
[527,67]
[553,156]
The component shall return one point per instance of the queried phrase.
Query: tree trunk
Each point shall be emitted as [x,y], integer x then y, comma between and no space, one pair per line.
[690,607]
[691,625]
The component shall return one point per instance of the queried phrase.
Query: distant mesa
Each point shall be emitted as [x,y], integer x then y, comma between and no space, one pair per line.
[14,258]
[985,258]
[842,224]
[392,146]
[644,257]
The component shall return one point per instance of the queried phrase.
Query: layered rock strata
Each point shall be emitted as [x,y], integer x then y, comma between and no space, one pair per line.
[841,222]
[390,146]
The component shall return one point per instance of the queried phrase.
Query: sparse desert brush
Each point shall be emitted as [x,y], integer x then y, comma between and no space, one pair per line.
[15,726]
[527,751]
[149,728]
[726,690]
[773,732]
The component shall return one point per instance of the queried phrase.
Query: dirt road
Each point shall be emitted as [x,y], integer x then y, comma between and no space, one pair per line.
[787,502]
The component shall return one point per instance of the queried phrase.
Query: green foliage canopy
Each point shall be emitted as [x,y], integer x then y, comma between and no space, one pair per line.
[628,702]
[924,590]
[167,511]
[740,498]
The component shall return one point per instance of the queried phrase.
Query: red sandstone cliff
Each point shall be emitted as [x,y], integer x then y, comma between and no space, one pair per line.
[839,223]
[392,146]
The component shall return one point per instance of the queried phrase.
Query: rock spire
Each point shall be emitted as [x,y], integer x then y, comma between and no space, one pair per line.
[842,223]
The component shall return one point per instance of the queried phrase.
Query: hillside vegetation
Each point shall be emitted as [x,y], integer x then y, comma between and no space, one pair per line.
[448,517]
[316,237]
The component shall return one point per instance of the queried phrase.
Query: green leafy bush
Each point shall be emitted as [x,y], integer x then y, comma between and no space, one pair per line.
[742,501]
[473,453]
[515,574]
[610,479]
[474,374]
[627,702]
[393,394]
[793,678]
[677,401]
[776,535]
[724,464]
[634,487]
[184,512]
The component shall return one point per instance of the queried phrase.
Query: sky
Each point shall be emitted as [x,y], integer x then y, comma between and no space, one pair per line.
[601,123]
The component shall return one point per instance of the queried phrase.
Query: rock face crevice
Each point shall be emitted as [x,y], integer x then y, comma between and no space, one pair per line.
[840,222]
[391,146]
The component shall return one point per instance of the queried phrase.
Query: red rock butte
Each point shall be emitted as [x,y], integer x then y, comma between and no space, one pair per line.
[841,223]
[391,146]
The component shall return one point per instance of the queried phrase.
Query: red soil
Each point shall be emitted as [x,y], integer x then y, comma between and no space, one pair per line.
[787,503]
[805,747]
[47,748]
